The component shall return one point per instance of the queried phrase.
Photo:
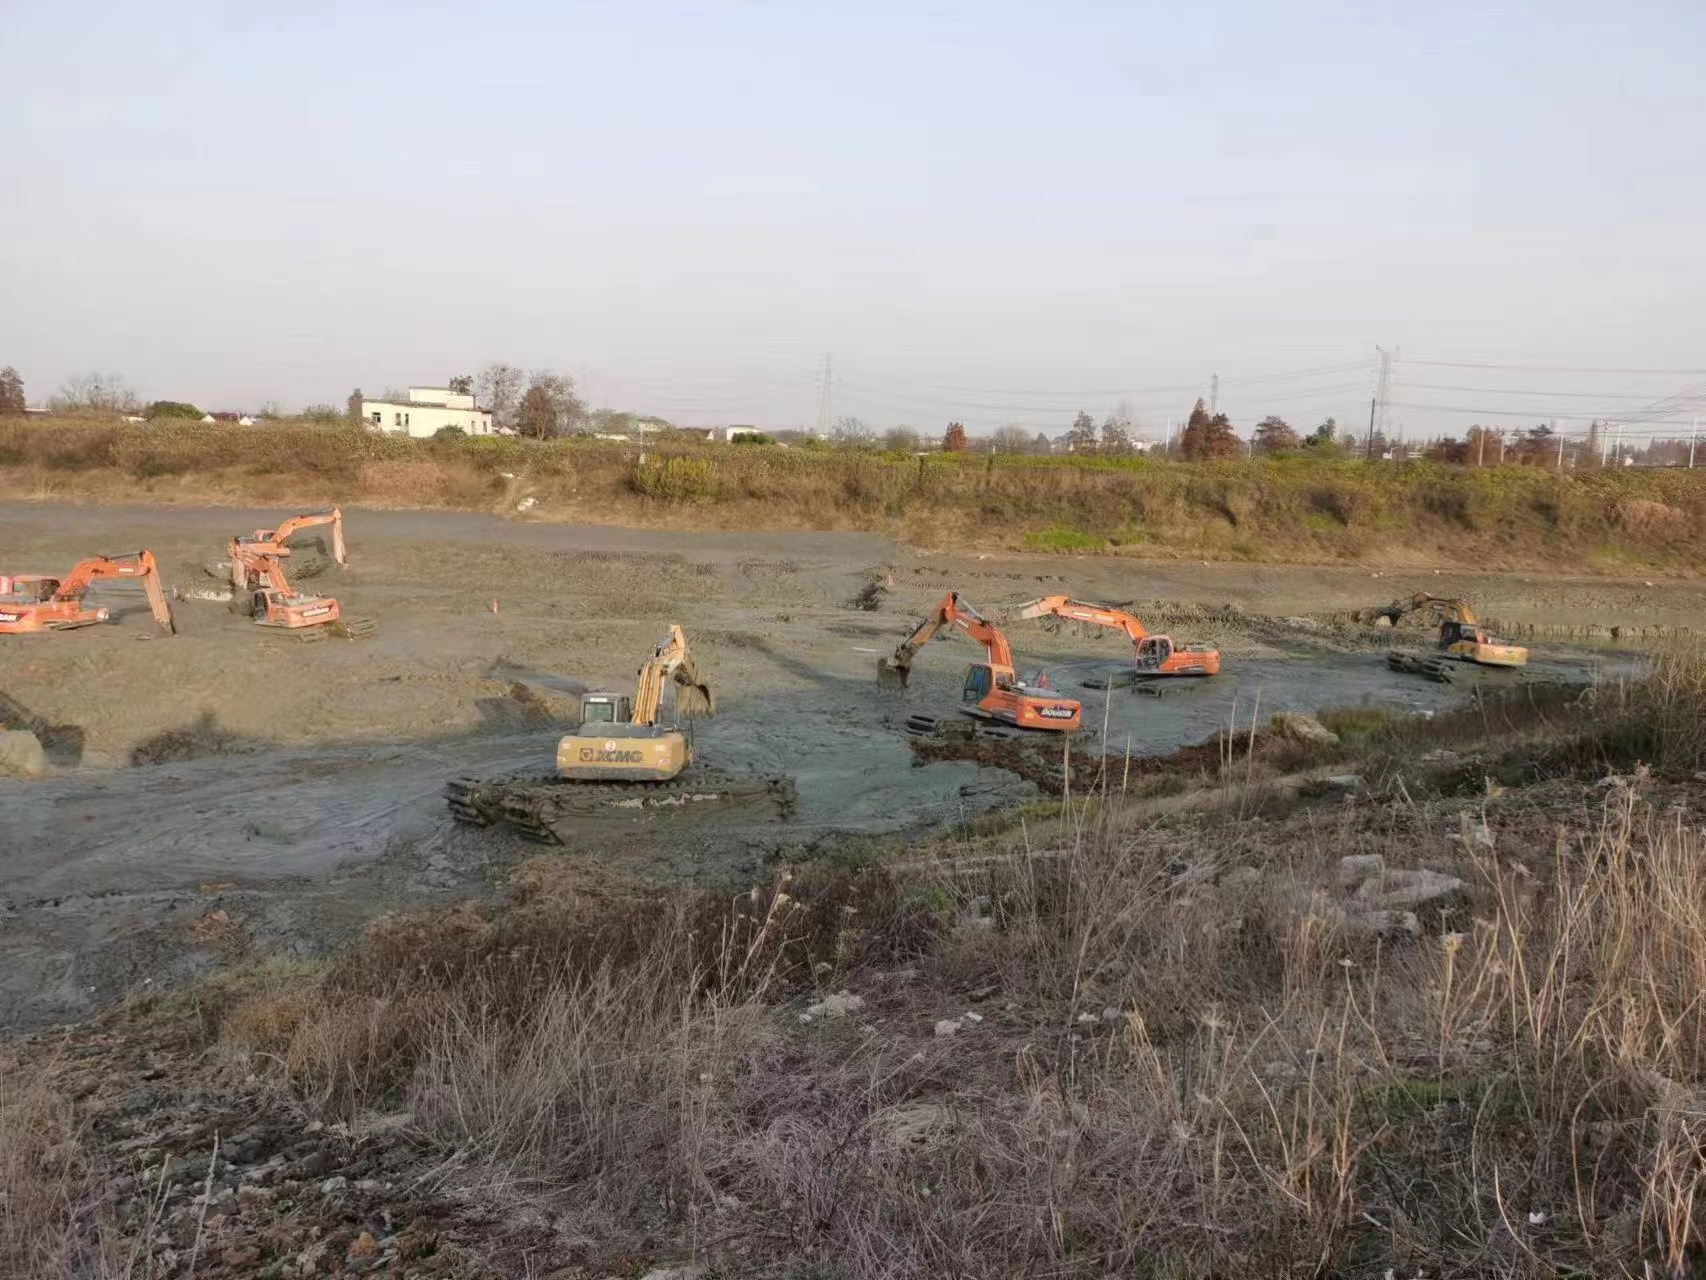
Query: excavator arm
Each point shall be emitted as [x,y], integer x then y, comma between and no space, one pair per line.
[1080,611]
[950,611]
[274,539]
[671,661]
[1452,610]
[137,566]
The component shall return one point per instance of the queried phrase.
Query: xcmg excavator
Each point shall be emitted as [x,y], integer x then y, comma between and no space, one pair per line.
[1461,635]
[40,602]
[260,589]
[623,756]
[1152,656]
[992,690]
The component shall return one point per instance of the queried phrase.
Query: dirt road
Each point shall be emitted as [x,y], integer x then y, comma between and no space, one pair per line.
[230,792]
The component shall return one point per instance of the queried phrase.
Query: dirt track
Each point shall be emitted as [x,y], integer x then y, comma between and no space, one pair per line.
[295,789]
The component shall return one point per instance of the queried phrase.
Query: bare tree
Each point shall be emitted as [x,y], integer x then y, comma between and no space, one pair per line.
[550,406]
[500,388]
[902,440]
[1012,440]
[11,392]
[98,392]
[853,433]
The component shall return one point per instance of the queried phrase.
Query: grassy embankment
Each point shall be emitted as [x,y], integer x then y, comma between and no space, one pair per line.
[1175,1051]
[1272,510]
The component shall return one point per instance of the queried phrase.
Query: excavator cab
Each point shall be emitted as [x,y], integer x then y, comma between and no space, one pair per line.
[979,681]
[1153,652]
[607,708]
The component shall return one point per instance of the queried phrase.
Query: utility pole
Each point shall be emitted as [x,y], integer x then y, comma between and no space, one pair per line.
[826,379]
[1617,450]
[1693,436]
[1213,393]
[1558,429]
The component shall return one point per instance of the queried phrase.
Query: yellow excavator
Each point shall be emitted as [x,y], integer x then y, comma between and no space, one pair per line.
[1461,634]
[623,756]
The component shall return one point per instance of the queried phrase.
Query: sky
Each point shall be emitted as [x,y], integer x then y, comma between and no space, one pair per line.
[991,212]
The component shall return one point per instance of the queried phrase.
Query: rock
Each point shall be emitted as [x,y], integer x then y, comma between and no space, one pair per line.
[948,1027]
[1357,867]
[363,1246]
[1406,890]
[1349,783]
[331,1186]
[838,1005]
[680,1271]
[1297,727]
[21,755]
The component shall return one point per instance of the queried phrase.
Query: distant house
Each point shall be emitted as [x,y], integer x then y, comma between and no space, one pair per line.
[427,411]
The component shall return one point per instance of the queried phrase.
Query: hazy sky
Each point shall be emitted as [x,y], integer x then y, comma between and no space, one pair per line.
[991,211]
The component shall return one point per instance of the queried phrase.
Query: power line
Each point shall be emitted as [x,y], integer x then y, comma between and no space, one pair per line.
[1554,368]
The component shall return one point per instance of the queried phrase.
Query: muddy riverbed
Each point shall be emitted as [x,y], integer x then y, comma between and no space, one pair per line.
[228,793]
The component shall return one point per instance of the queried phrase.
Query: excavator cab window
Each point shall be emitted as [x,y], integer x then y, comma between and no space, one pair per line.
[978,682]
[1153,651]
[598,711]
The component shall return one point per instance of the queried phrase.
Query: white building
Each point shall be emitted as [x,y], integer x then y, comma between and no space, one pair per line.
[426,412]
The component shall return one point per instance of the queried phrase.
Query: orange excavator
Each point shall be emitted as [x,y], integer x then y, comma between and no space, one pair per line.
[1152,656]
[992,689]
[259,586]
[39,602]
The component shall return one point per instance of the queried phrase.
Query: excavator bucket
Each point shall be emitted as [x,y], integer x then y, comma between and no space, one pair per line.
[893,675]
[693,696]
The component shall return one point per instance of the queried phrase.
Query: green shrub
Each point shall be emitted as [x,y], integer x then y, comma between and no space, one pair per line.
[1059,539]
[173,409]
[686,480]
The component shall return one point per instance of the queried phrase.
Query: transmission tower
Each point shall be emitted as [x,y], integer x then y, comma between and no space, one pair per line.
[824,402]
[1213,394]
[1379,415]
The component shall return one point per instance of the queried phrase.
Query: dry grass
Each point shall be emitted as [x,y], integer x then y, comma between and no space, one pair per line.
[1273,509]
[1186,1060]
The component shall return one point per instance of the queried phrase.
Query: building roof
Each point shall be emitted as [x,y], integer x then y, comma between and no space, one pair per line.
[423,404]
